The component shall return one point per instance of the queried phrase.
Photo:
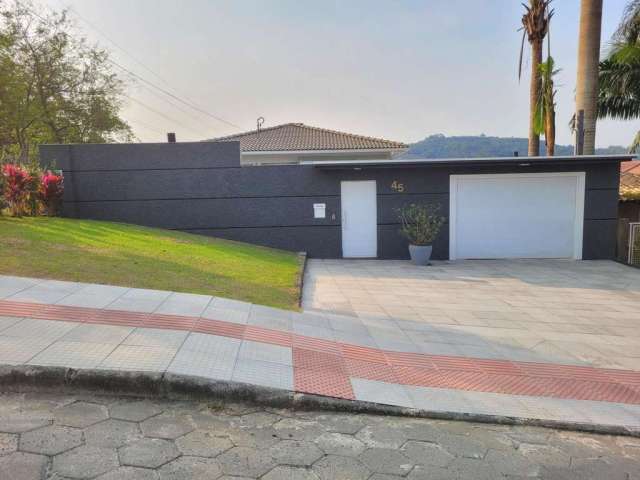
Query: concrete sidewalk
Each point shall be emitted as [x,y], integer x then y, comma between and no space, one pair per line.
[75,325]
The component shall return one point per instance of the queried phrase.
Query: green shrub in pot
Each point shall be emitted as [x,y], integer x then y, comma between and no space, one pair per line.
[420,224]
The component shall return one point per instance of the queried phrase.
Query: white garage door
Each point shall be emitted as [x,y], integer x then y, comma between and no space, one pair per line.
[538,215]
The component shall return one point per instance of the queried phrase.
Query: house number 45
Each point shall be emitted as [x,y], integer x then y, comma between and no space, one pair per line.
[397,186]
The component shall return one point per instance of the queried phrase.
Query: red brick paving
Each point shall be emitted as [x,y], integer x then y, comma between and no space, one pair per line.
[324,367]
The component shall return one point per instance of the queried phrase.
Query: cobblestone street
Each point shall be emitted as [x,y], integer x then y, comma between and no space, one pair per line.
[47,436]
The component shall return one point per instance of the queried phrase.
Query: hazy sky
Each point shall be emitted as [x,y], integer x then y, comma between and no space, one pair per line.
[396,69]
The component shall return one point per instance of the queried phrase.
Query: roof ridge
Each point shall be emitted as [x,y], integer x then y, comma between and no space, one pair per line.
[253,132]
[352,135]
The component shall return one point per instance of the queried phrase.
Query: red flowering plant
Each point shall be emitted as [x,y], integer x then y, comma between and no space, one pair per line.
[17,181]
[51,191]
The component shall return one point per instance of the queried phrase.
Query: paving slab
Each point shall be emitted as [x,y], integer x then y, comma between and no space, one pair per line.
[244,461]
[50,440]
[188,468]
[47,291]
[203,443]
[139,300]
[112,433]
[93,296]
[8,443]
[10,285]
[23,466]
[104,334]
[148,453]
[155,337]
[257,351]
[168,427]
[85,462]
[45,330]
[81,414]
[73,354]
[188,304]
[129,473]
[266,374]
[206,356]
[135,411]
[139,358]
[15,350]
[295,452]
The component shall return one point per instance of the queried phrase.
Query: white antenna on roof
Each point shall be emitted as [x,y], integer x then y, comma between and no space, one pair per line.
[259,122]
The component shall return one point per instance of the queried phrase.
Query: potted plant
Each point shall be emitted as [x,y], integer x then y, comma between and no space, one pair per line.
[420,225]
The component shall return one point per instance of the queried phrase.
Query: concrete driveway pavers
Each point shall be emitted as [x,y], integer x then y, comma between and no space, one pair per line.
[470,338]
[557,311]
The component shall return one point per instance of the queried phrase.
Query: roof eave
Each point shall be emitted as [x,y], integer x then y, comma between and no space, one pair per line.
[522,161]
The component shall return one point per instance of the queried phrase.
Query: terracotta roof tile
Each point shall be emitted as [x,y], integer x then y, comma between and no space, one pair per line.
[629,186]
[632,166]
[297,137]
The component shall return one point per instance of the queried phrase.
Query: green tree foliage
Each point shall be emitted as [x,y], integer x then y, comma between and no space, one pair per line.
[619,78]
[54,86]
[440,146]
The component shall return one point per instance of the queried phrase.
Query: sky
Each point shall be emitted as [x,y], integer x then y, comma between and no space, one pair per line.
[397,69]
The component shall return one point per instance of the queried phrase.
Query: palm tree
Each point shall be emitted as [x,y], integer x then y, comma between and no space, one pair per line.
[588,62]
[535,25]
[545,120]
[619,79]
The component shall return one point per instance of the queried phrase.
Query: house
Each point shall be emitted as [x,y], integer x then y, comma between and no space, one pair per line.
[292,143]
[508,207]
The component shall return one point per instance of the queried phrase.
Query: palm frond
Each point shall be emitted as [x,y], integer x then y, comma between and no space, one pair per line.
[629,28]
[633,148]
[521,54]
[619,85]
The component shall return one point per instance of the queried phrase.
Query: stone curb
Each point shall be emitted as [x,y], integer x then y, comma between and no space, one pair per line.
[302,257]
[25,379]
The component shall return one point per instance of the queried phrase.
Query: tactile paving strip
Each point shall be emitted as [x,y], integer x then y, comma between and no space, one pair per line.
[324,367]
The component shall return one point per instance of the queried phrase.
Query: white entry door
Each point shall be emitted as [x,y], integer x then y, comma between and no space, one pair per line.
[359,219]
[537,215]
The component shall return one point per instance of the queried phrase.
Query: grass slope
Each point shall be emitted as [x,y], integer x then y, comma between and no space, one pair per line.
[120,254]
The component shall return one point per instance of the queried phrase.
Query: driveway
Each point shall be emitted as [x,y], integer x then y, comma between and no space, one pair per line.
[585,313]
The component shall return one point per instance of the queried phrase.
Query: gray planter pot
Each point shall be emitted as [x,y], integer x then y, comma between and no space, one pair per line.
[420,254]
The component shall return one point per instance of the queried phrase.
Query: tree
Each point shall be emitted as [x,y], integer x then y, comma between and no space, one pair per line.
[619,77]
[545,120]
[54,86]
[588,60]
[535,25]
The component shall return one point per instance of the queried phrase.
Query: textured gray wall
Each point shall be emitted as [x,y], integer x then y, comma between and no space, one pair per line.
[201,188]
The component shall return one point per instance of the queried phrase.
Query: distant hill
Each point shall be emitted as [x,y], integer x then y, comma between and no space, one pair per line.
[439,146]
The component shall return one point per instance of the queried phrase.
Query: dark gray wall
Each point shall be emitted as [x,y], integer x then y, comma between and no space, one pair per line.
[201,188]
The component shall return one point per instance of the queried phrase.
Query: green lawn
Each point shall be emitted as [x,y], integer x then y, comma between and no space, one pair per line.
[120,254]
